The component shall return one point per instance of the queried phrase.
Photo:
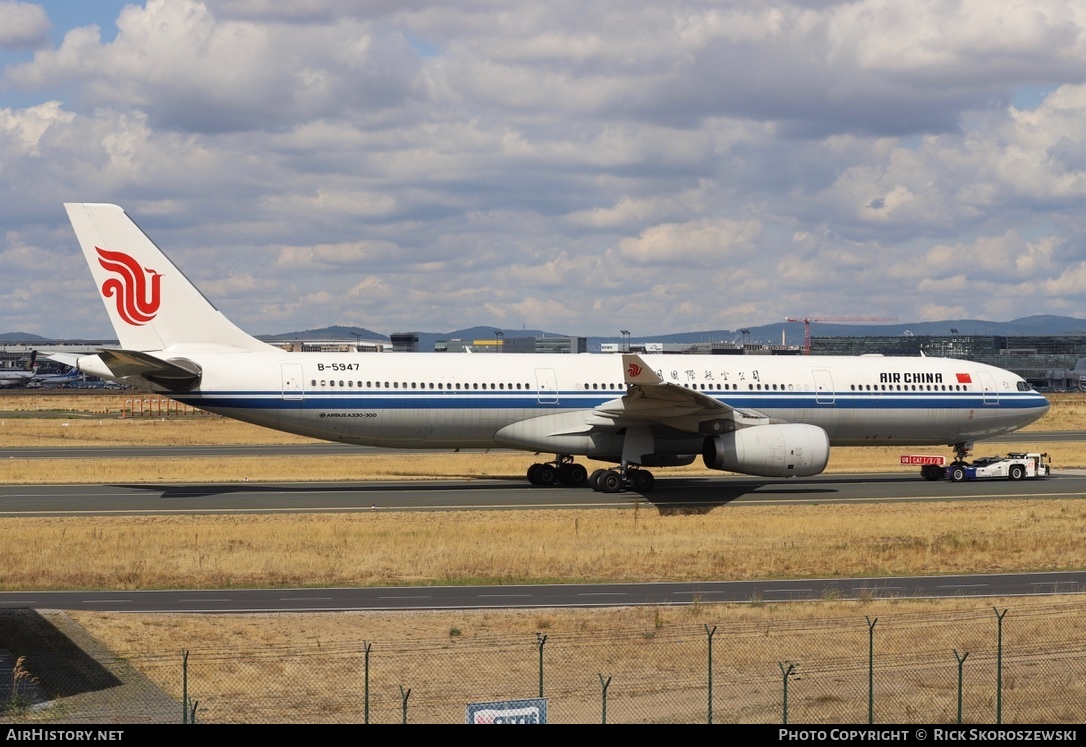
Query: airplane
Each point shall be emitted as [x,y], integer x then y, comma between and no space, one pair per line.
[59,379]
[768,416]
[20,377]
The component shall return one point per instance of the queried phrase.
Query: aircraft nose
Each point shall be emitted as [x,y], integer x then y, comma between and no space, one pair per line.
[1041,406]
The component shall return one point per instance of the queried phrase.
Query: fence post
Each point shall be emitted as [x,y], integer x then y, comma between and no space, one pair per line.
[540,640]
[404,695]
[961,665]
[366,687]
[710,634]
[871,669]
[184,687]
[785,674]
[999,664]
[604,684]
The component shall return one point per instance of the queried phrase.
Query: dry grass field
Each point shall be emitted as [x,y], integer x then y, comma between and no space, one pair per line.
[636,544]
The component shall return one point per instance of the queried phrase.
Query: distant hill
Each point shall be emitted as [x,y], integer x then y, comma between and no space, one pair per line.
[335,332]
[21,337]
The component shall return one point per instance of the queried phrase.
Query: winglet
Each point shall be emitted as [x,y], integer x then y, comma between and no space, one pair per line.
[637,371]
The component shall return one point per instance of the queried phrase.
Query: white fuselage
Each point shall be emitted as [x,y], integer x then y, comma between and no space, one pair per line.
[15,378]
[449,401]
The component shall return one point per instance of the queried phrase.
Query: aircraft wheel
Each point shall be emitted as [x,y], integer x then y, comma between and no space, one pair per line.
[643,481]
[957,474]
[533,474]
[1017,472]
[572,474]
[547,474]
[594,479]
[610,481]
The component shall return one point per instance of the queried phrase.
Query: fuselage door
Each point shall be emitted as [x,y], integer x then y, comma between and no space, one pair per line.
[823,384]
[991,394]
[292,381]
[546,386]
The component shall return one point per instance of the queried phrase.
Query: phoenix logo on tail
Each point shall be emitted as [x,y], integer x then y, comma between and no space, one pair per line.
[137,299]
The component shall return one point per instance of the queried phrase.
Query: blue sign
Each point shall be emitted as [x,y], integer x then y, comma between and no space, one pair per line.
[528,711]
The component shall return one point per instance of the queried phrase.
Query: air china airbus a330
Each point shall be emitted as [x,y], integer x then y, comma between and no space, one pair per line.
[757,415]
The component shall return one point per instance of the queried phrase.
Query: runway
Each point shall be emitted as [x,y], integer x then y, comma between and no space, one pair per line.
[553,595]
[670,494]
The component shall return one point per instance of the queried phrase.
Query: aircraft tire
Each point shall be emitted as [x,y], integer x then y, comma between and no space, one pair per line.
[643,481]
[575,474]
[610,481]
[533,474]
[547,474]
[956,473]
[594,479]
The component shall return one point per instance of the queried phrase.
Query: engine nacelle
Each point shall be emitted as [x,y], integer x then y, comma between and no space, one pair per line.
[779,450]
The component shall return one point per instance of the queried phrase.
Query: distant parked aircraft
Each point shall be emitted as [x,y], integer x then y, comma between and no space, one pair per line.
[61,379]
[17,377]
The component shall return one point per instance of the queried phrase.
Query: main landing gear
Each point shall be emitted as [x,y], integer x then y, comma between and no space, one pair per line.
[567,472]
[626,477]
[562,470]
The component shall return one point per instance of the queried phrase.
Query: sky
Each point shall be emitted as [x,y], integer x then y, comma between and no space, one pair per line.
[415,165]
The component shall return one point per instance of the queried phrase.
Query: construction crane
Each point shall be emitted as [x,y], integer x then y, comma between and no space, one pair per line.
[808,319]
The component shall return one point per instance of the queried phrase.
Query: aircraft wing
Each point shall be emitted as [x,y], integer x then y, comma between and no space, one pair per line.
[650,400]
[68,359]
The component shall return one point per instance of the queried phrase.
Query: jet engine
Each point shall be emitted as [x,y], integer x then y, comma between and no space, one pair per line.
[777,450]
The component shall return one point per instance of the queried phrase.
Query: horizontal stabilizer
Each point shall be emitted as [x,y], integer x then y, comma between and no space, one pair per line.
[177,374]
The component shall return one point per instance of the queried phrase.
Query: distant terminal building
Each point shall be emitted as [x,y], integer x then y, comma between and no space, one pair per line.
[405,342]
[1043,360]
[330,346]
[549,344]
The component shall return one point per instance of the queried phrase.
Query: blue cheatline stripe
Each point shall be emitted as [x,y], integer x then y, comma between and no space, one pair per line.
[436,400]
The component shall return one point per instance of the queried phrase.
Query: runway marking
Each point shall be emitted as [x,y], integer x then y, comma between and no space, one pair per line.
[963,586]
[602,594]
[504,596]
[862,589]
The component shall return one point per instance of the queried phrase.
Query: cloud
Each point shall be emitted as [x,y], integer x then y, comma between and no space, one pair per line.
[23,25]
[632,165]
[702,243]
[195,73]
[24,128]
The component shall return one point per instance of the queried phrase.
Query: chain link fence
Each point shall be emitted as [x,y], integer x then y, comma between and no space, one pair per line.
[983,667]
